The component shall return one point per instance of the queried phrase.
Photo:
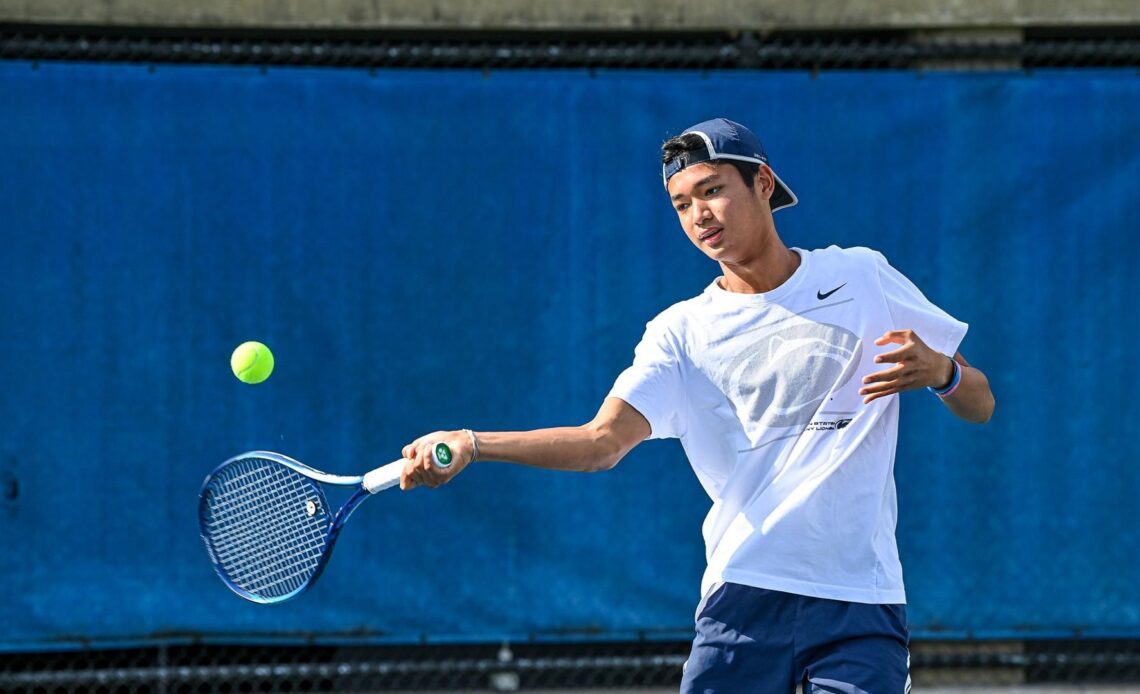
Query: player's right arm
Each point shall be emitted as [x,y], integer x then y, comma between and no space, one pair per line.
[597,445]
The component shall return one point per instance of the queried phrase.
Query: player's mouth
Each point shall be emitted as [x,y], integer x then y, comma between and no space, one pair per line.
[711,236]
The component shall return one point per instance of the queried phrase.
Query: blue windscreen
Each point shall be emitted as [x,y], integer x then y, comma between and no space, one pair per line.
[431,250]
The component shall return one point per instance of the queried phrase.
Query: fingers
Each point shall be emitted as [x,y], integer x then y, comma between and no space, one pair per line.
[887,382]
[895,356]
[406,480]
[409,451]
[906,338]
[896,336]
[899,337]
[888,389]
[916,365]
[420,469]
[897,384]
[408,454]
[427,471]
[411,477]
[416,470]
[885,375]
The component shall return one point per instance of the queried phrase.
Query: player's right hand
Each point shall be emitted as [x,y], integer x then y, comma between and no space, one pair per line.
[421,471]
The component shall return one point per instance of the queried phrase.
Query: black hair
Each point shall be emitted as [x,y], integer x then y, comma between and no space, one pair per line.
[689,142]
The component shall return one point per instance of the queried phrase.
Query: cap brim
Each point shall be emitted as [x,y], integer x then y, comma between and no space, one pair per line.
[782,196]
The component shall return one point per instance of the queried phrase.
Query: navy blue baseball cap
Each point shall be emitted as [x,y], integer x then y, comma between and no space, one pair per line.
[725,139]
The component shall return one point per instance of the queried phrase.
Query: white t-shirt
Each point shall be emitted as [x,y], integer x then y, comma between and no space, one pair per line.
[762,390]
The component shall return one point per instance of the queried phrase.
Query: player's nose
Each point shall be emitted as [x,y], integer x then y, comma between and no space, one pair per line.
[701,212]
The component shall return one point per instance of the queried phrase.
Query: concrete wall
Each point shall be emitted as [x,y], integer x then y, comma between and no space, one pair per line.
[759,15]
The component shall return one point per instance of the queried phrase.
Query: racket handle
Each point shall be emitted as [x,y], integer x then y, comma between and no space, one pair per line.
[389,475]
[384,477]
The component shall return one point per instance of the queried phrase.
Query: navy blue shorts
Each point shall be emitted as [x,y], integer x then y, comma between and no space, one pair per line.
[755,641]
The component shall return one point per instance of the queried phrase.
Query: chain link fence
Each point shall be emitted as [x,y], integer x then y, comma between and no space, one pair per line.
[816,51]
[203,669]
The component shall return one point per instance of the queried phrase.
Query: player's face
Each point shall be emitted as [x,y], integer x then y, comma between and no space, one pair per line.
[728,221]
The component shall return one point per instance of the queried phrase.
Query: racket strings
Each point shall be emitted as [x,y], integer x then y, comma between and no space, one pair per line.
[266,546]
[259,529]
[256,571]
[237,523]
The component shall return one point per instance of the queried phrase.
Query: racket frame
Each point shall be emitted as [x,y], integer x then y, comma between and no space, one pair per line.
[335,525]
[366,485]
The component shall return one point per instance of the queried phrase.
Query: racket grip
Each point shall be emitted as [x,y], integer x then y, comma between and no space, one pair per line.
[384,477]
[389,475]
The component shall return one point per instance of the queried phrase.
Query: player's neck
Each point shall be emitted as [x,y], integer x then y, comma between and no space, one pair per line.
[762,273]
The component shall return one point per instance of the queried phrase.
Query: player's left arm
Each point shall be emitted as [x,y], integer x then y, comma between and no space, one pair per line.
[916,365]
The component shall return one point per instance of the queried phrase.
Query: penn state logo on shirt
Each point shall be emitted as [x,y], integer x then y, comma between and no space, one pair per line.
[783,375]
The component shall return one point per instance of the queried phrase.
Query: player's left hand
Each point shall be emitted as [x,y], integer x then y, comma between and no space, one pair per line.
[915,366]
[421,471]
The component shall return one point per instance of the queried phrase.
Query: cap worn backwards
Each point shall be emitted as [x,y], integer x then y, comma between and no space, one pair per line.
[725,139]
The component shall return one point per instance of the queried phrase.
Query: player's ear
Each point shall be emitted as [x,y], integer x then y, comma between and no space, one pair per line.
[765,182]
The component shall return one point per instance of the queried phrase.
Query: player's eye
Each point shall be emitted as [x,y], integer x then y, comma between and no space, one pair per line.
[713,191]
[682,207]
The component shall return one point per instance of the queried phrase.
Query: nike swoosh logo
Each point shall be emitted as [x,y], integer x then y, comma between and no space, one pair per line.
[823,295]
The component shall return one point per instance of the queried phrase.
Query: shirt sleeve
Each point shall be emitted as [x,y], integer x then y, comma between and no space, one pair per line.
[653,384]
[910,310]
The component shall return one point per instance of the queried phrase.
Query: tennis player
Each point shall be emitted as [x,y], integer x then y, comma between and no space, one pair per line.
[781,380]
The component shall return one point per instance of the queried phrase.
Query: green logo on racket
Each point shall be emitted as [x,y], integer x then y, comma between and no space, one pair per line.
[442,454]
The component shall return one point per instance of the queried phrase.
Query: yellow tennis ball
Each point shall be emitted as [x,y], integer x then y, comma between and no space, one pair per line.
[252,362]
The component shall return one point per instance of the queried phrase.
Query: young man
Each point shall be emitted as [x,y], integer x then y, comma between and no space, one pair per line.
[780,379]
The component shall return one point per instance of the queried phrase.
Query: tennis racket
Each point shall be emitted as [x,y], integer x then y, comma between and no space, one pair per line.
[269,529]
